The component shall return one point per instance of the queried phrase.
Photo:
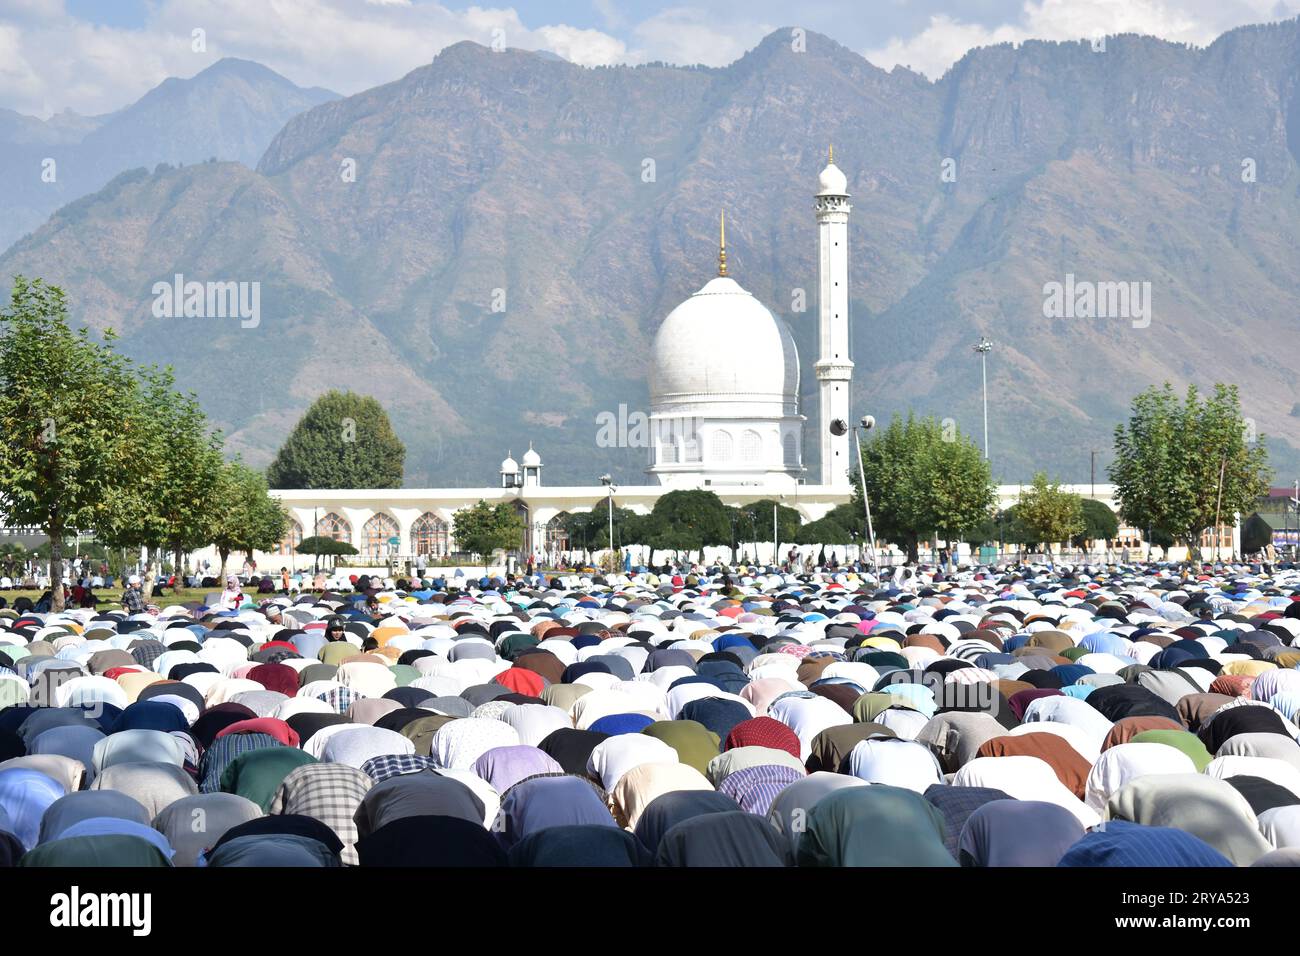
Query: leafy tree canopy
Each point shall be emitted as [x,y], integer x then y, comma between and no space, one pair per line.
[343,440]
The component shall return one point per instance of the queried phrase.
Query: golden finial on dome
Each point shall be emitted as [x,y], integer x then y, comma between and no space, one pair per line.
[722,244]
[831,152]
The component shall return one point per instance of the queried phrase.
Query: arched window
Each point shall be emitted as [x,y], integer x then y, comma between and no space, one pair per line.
[375,533]
[722,447]
[332,526]
[790,446]
[691,448]
[430,536]
[289,545]
[751,445]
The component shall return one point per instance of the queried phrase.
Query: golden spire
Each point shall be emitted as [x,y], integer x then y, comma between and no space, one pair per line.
[722,244]
[832,154]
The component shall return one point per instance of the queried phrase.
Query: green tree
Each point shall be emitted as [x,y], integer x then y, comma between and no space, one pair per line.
[688,521]
[850,517]
[1048,512]
[1099,524]
[758,515]
[247,517]
[319,544]
[484,528]
[1181,464]
[343,440]
[823,531]
[70,416]
[186,497]
[924,480]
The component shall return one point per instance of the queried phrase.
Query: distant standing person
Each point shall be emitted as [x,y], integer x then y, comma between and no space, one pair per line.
[132,597]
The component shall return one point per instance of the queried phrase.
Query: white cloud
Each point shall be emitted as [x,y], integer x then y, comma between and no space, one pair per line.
[686,36]
[945,39]
[584,47]
[49,60]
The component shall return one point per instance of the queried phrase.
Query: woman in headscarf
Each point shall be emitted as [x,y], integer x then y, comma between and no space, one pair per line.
[232,597]
[640,786]
[733,839]
[1017,833]
[1209,809]
[549,801]
[192,824]
[1121,843]
[873,826]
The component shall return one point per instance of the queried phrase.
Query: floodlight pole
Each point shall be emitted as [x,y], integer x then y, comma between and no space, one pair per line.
[866,502]
[983,347]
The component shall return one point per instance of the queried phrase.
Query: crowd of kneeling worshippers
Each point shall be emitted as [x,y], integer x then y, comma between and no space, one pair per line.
[1121,715]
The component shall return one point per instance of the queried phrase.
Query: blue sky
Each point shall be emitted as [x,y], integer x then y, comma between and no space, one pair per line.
[93,56]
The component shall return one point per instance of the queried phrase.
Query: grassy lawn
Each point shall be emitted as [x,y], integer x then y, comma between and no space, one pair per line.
[110,599]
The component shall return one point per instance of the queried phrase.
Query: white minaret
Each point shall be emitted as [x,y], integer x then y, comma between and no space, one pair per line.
[833,368]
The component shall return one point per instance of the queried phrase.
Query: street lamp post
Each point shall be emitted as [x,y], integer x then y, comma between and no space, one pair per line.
[983,347]
[776,544]
[839,427]
[610,487]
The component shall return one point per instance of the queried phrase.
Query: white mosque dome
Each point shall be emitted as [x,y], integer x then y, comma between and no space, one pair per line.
[832,182]
[722,344]
[531,458]
[509,466]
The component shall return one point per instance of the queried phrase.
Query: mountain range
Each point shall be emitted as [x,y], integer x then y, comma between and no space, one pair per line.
[488,244]
[229,111]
